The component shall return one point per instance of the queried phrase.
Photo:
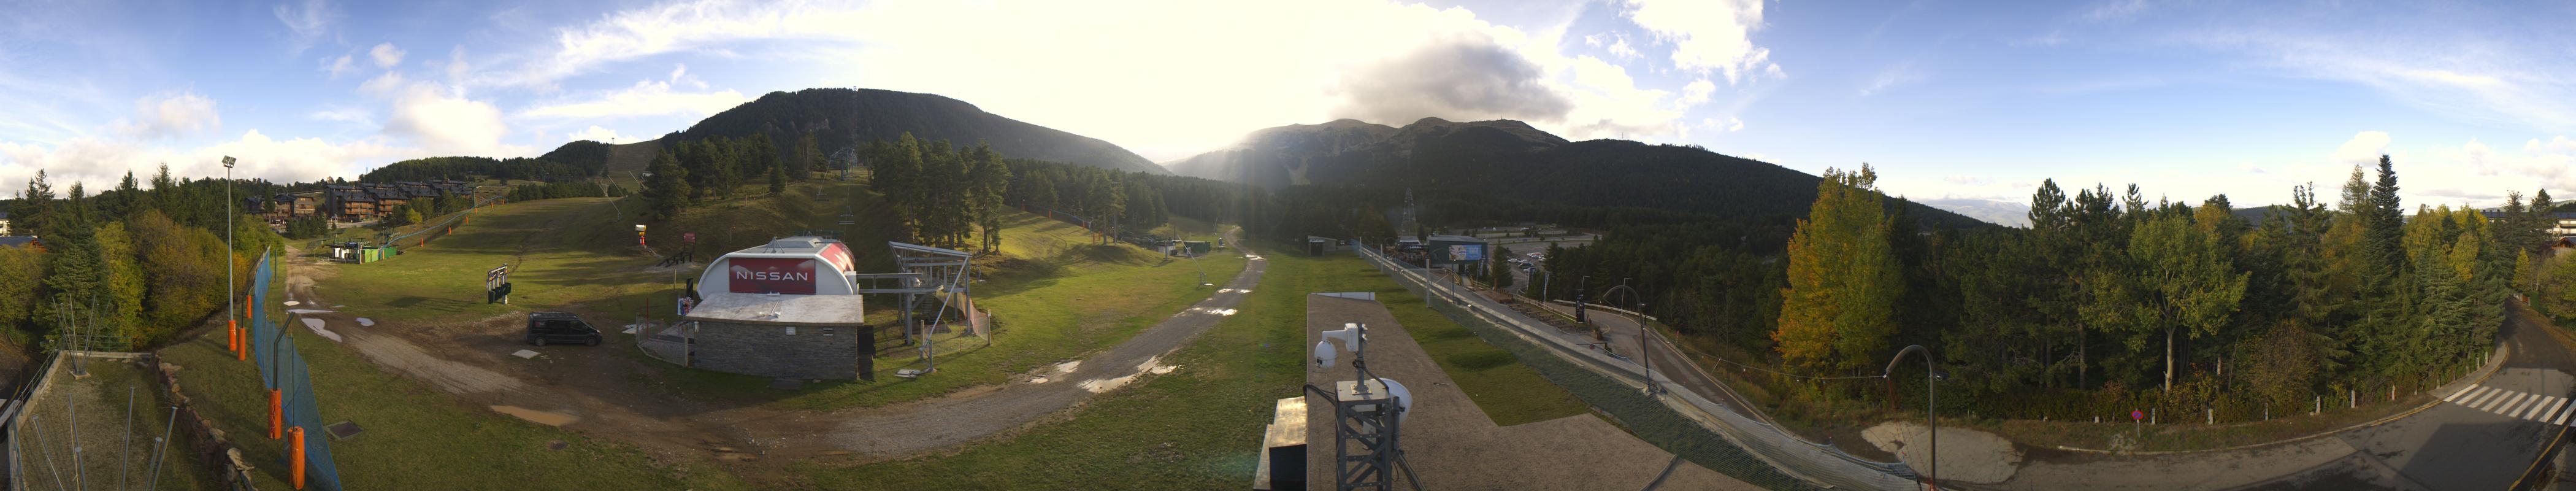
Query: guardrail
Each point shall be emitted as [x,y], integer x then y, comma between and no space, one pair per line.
[1815,463]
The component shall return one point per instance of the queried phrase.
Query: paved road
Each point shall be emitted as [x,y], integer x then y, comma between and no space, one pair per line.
[2484,437]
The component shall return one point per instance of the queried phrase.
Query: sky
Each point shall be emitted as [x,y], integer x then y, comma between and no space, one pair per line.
[1964,104]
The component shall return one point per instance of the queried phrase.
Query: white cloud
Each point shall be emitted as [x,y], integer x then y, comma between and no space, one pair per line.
[1621,49]
[341,66]
[386,55]
[2364,148]
[1707,34]
[1892,77]
[1734,125]
[98,163]
[304,25]
[440,119]
[598,134]
[170,115]
[680,75]
[344,115]
[645,98]
[2115,10]
[1697,92]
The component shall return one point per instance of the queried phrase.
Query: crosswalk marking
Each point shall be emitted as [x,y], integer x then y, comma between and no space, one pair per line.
[2518,404]
[2546,409]
[2500,401]
[2483,396]
[2526,413]
[2536,404]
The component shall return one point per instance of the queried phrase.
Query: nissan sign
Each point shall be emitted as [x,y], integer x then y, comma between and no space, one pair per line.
[770,275]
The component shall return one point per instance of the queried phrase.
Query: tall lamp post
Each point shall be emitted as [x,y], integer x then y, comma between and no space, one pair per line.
[1932,466]
[230,261]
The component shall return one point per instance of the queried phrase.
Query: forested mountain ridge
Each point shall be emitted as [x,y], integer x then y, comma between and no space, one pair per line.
[847,118]
[1510,164]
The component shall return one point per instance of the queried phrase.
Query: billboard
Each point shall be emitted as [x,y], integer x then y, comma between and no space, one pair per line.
[839,256]
[1467,252]
[789,276]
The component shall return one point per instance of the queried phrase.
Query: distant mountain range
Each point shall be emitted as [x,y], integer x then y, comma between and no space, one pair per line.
[1510,161]
[845,118]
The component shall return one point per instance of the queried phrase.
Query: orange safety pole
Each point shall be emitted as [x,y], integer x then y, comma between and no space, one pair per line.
[276,413]
[295,458]
[242,352]
[232,336]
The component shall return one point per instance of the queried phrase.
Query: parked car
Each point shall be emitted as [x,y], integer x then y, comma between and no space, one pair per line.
[560,328]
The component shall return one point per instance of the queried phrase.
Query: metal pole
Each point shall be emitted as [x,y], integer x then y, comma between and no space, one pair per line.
[1931,427]
[162,447]
[125,458]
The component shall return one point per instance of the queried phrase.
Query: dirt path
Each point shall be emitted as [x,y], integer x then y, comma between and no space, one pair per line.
[915,427]
[600,393]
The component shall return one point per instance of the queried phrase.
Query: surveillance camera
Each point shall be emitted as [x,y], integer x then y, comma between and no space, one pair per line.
[1325,355]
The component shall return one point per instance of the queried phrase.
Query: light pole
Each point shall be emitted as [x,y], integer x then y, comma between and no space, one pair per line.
[230,261]
[1932,466]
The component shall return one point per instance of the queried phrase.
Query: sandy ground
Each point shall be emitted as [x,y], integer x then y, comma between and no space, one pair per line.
[1967,455]
[600,392]
[1450,444]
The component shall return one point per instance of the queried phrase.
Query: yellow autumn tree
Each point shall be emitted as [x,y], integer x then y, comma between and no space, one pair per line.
[1844,281]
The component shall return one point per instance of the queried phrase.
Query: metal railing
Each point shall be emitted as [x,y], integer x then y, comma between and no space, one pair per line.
[1817,463]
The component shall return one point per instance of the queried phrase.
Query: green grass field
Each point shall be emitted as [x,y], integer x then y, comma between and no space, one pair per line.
[1198,427]
[416,437]
[1079,297]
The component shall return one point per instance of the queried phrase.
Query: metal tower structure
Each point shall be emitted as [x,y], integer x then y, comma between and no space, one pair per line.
[1368,416]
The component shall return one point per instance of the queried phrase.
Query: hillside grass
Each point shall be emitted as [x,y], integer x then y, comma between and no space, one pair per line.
[117,446]
[1200,426]
[416,437]
[1063,296]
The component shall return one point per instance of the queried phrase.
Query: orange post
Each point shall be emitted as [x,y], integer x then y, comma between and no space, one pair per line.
[276,413]
[242,354]
[295,455]
[232,336]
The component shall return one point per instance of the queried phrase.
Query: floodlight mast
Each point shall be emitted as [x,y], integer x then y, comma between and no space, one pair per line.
[231,262]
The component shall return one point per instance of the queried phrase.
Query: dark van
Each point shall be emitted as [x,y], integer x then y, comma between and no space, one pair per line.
[560,328]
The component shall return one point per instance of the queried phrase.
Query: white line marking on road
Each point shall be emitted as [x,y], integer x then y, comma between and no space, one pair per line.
[2455,396]
[2552,410]
[2504,404]
[2505,397]
[2508,409]
[2525,413]
[2562,417]
[2491,397]
[2477,391]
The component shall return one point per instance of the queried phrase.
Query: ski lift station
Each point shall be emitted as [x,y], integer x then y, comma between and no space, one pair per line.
[784,309]
[791,308]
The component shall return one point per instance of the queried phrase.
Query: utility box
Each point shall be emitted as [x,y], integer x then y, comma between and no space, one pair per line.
[1283,448]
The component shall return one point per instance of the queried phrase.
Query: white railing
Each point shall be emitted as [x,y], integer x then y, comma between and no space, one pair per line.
[1813,462]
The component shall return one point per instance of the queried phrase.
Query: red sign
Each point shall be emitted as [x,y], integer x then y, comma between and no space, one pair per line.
[839,256]
[770,275]
[2137,415]
[691,237]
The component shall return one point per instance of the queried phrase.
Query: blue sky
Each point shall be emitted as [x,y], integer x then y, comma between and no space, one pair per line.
[1967,104]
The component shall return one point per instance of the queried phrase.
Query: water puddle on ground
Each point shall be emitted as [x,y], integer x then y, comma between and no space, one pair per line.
[1151,365]
[538,417]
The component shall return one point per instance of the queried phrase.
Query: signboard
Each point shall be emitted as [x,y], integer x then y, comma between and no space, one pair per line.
[691,237]
[2137,415]
[770,275]
[1467,252]
[839,256]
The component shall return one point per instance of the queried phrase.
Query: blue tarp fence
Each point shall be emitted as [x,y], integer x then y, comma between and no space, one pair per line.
[282,367]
